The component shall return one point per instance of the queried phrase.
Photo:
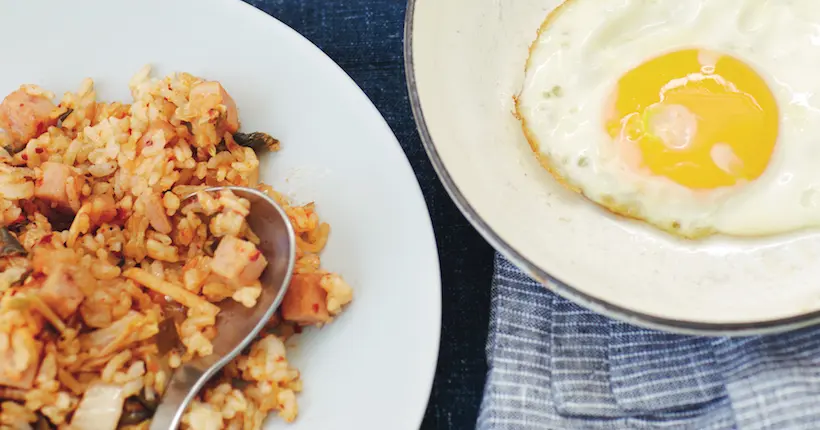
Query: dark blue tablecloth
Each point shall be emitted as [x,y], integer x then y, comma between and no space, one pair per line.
[365,38]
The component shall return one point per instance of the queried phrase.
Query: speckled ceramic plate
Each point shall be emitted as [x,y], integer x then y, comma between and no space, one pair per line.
[373,367]
[465,61]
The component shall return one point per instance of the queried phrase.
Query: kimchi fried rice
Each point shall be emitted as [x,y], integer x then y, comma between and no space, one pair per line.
[110,278]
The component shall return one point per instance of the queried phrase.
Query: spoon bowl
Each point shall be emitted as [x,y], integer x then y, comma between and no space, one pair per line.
[236,324]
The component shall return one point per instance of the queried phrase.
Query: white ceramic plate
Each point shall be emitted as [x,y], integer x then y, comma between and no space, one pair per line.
[465,61]
[373,367]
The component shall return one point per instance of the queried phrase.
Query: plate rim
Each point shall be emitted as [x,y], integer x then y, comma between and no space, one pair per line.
[563,289]
[429,222]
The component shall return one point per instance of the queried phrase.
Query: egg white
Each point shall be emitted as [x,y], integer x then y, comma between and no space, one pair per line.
[585,46]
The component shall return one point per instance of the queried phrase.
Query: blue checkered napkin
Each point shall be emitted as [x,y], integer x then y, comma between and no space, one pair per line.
[555,365]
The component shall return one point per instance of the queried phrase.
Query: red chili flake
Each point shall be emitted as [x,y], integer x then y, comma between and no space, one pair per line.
[39,150]
[38,275]
[149,142]
[20,218]
[255,255]
[21,105]
[279,359]
[46,239]
[24,157]
[116,254]
[316,308]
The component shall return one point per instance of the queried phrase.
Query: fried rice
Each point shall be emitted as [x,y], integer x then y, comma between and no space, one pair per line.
[110,278]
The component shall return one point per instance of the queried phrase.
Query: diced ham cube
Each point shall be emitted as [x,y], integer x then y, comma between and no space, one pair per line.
[253,270]
[25,116]
[24,381]
[305,302]
[211,88]
[234,256]
[52,186]
[155,212]
[61,293]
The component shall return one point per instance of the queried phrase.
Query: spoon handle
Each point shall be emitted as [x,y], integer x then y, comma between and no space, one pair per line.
[187,381]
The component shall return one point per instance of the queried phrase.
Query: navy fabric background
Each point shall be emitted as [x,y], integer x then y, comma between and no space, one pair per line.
[365,38]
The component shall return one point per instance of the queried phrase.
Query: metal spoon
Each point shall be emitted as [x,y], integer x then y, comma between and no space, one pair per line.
[236,325]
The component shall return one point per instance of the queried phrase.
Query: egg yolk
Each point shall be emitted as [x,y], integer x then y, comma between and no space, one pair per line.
[702,119]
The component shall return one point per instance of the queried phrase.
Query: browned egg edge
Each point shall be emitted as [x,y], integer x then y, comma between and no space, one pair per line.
[607,202]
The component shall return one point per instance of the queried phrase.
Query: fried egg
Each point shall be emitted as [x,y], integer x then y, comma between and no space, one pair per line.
[697,116]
